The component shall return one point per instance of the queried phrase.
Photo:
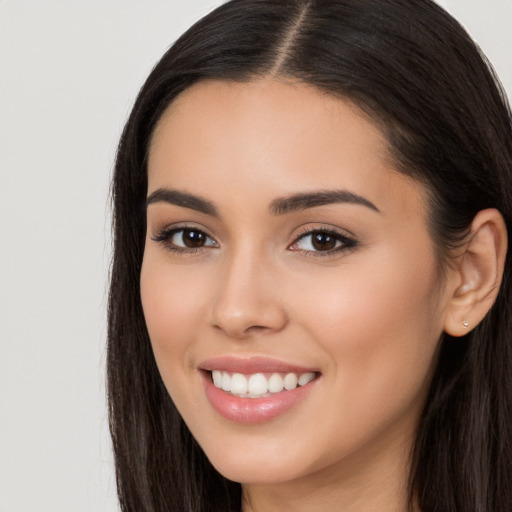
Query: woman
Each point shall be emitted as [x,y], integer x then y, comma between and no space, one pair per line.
[310,287]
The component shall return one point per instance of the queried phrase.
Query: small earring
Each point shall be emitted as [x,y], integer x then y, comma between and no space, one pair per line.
[465,323]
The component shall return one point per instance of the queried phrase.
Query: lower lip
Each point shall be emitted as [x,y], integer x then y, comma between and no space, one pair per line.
[253,410]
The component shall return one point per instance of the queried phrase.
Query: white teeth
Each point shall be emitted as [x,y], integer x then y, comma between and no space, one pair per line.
[290,381]
[305,378]
[275,383]
[226,382]
[257,385]
[217,378]
[238,384]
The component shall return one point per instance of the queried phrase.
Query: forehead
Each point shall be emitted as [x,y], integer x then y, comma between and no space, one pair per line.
[269,138]
[264,108]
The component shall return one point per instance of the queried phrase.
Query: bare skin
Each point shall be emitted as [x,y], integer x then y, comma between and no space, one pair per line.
[362,303]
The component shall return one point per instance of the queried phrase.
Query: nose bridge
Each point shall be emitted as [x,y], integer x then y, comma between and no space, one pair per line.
[247,300]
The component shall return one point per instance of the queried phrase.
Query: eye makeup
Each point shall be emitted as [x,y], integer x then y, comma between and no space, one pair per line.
[184,239]
[320,241]
[323,241]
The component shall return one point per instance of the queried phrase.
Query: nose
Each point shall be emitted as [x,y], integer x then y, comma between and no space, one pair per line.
[248,300]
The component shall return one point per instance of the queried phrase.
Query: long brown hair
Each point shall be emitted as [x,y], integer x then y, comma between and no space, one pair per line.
[417,74]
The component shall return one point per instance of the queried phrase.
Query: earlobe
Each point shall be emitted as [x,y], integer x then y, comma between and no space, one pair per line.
[479,271]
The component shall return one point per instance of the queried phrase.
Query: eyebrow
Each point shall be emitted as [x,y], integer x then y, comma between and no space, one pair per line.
[182,199]
[280,206]
[298,202]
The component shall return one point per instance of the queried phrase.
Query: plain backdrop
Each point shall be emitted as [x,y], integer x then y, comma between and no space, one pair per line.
[69,73]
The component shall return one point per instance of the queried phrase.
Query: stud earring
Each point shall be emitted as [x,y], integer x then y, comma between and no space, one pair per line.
[465,323]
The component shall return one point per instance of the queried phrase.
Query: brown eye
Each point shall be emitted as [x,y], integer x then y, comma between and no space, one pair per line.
[192,238]
[323,241]
[183,239]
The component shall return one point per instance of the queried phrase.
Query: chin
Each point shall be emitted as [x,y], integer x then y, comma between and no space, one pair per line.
[251,463]
[258,473]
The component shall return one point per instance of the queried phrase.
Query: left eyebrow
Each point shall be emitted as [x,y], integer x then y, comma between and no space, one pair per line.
[302,201]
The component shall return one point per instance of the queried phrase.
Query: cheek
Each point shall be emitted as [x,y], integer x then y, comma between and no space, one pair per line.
[365,313]
[384,296]
[173,308]
[380,327]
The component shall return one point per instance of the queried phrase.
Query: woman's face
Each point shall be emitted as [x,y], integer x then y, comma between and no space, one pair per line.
[282,246]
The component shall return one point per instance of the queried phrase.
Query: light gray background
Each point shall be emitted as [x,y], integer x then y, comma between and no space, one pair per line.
[69,72]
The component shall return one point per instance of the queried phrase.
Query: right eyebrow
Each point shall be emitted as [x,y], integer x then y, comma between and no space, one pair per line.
[183,199]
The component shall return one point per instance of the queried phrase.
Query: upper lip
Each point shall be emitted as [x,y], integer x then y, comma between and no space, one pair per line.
[250,365]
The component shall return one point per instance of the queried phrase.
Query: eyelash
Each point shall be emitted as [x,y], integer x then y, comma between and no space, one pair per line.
[346,243]
[165,236]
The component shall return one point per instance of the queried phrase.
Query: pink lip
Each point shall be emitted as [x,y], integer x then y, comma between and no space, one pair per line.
[252,365]
[252,410]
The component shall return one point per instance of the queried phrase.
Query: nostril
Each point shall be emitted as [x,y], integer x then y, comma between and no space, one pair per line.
[244,331]
[257,328]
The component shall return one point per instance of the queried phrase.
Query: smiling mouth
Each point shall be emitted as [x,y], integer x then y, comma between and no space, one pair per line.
[259,385]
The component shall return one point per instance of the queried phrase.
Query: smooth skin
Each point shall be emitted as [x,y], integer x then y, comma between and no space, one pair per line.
[366,307]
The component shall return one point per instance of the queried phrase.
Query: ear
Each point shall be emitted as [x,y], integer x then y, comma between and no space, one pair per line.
[477,273]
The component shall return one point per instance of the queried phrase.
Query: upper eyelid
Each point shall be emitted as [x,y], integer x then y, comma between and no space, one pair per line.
[308,230]
[179,226]
[164,236]
[348,241]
